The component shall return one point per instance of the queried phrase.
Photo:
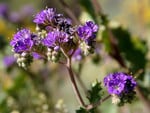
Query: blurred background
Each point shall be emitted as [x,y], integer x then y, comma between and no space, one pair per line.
[45,87]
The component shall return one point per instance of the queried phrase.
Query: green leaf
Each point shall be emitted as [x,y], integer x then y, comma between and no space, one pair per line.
[132,50]
[81,110]
[94,94]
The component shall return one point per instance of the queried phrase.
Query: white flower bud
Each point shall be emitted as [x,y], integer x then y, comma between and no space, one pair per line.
[37,28]
[54,53]
[23,65]
[49,53]
[48,58]
[19,64]
[115,99]
[49,49]
[19,60]
[24,54]
[16,55]
[22,59]
[54,58]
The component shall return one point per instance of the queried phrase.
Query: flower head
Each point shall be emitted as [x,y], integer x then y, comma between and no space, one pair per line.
[94,27]
[118,83]
[45,17]
[55,38]
[22,41]
[87,31]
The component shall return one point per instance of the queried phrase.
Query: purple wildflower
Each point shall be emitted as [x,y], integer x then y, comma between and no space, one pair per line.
[55,39]
[87,31]
[84,32]
[118,83]
[22,41]
[93,26]
[9,60]
[77,55]
[45,17]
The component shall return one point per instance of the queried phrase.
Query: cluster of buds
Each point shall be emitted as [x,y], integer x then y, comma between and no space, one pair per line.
[23,59]
[53,55]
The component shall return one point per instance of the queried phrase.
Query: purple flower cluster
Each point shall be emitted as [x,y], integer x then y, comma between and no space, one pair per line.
[87,32]
[54,39]
[119,83]
[58,28]
[54,33]
[45,17]
[22,41]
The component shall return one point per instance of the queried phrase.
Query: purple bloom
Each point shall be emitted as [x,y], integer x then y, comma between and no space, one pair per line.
[9,60]
[93,26]
[87,31]
[78,54]
[118,83]
[22,41]
[45,17]
[55,38]
[84,32]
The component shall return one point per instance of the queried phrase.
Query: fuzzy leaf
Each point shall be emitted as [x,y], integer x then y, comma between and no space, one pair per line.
[95,92]
[81,110]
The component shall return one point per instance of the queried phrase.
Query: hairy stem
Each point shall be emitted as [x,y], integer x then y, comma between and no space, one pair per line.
[78,76]
[81,83]
[74,84]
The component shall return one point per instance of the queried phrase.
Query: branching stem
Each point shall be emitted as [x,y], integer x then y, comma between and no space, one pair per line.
[91,106]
